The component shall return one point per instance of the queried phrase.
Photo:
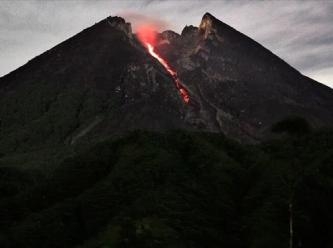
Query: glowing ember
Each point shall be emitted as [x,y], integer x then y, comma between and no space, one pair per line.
[147,36]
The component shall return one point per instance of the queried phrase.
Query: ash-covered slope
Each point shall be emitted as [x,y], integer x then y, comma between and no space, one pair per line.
[240,86]
[99,83]
[102,82]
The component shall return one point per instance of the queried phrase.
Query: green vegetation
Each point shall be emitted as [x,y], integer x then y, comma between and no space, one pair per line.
[176,189]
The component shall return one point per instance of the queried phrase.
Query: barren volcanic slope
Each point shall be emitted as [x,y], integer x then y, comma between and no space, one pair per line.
[103,82]
[241,87]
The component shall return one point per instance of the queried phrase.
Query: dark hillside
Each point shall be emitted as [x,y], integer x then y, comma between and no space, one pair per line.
[178,189]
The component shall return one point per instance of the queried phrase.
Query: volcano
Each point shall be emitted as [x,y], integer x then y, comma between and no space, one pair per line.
[121,139]
[104,82]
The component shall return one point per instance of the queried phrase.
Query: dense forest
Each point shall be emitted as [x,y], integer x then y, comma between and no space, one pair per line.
[177,189]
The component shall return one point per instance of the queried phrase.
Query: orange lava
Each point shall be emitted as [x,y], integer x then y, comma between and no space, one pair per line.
[147,36]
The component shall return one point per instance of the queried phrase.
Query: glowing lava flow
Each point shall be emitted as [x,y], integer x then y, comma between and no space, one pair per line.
[183,92]
[147,36]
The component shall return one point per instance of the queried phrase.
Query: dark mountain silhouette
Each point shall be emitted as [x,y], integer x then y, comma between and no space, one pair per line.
[99,82]
[102,82]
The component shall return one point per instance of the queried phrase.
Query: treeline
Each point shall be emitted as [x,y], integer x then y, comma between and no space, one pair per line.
[178,189]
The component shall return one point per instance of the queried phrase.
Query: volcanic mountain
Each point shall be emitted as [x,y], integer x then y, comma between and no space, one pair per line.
[68,180]
[103,82]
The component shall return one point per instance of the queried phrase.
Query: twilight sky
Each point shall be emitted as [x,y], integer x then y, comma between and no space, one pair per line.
[300,32]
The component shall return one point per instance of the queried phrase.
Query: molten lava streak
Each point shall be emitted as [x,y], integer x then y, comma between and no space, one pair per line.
[147,36]
[183,92]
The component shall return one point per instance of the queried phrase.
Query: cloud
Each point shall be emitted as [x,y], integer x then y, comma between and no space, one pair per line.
[138,20]
[300,32]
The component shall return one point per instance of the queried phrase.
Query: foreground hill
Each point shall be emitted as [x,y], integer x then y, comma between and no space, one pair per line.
[176,189]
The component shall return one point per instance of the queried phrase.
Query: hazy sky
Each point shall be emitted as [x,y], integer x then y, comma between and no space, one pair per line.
[300,32]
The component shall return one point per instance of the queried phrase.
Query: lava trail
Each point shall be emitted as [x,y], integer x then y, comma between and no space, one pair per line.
[147,37]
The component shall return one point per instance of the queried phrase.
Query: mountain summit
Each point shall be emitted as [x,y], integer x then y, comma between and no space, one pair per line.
[103,82]
[241,87]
